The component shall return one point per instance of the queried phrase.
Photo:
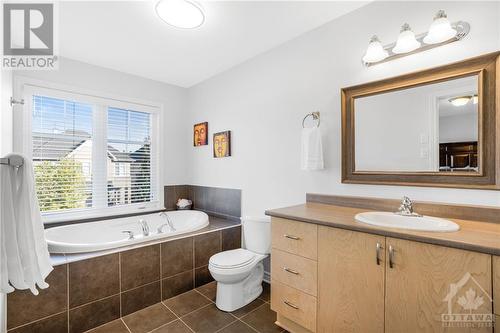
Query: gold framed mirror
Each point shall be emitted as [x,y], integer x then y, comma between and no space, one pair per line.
[436,127]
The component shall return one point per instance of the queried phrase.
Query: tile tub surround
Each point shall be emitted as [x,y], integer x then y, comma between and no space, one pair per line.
[89,293]
[223,202]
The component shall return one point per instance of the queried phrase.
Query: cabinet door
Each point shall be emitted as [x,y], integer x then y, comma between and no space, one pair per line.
[427,281]
[350,281]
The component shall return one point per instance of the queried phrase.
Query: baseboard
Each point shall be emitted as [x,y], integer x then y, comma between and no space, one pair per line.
[267,277]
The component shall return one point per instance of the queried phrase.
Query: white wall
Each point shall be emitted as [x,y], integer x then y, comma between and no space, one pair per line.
[89,77]
[263,101]
[459,128]
[388,131]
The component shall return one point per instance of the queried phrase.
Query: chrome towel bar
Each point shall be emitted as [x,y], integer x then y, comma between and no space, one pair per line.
[15,161]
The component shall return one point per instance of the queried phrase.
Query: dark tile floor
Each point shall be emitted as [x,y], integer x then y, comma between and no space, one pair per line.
[195,311]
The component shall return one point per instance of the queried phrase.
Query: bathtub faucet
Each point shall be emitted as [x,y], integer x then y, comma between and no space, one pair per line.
[145,227]
[169,223]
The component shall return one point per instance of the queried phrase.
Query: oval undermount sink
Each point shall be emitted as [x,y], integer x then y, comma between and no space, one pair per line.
[420,223]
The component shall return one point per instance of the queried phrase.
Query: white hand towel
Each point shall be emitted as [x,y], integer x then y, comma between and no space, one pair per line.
[311,149]
[28,259]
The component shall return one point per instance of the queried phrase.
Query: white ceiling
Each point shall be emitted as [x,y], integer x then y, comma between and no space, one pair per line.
[128,36]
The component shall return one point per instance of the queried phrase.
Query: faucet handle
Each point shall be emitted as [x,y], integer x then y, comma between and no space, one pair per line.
[406,201]
[130,233]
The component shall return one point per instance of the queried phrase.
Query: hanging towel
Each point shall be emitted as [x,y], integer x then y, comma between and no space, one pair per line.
[24,248]
[311,149]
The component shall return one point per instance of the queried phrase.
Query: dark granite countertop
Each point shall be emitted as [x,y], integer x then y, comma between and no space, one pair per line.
[473,235]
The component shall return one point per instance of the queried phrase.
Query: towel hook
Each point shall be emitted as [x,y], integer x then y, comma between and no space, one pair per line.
[314,115]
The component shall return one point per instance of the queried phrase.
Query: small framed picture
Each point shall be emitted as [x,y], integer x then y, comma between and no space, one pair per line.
[222,144]
[200,134]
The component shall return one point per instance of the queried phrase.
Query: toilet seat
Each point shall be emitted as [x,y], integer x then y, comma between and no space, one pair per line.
[232,259]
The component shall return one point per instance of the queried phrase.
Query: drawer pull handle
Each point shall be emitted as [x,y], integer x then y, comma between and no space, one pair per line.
[286,269]
[292,237]
[291,305]
[377,253]
[391,256]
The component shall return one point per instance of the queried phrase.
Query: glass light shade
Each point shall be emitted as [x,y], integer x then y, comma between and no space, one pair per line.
[475,99]
[375,51]
[460,101]
[440,30]
[406,41]
[182,14]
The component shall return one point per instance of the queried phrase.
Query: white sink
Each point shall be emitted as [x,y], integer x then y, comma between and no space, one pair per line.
[420,223]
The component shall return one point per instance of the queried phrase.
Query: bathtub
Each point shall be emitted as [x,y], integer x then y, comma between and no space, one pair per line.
[109,234]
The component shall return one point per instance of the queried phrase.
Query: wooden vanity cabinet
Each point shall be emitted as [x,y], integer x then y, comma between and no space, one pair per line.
[371,283]
[350,281]
[418,278]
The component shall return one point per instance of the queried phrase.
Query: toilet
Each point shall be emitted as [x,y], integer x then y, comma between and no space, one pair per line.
[239,273]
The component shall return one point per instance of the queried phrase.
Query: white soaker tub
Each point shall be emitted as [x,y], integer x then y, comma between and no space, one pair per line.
[109,234]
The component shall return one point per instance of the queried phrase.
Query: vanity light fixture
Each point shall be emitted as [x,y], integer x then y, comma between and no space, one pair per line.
[406,41]
[183,14]
[441,32]
[440,29]
[375,51]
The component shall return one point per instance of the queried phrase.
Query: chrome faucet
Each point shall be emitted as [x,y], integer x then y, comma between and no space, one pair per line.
[406,208]
[144,226]
[168,223]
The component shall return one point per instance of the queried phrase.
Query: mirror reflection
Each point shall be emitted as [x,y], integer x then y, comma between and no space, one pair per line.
[427,128]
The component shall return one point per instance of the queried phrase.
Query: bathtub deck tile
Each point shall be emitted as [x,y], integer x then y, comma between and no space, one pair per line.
[177,284]
[176,257]
[94,314]
[93,279]
[23,307]
[139,298]
[140,266]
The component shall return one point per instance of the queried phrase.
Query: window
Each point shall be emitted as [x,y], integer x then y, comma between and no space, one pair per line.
[62,147]
[92,156]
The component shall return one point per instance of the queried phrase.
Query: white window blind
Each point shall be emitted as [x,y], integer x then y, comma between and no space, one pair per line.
[62,147]
[129,148]
[91,156]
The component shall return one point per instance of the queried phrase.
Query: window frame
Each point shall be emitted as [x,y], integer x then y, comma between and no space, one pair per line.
[25,88]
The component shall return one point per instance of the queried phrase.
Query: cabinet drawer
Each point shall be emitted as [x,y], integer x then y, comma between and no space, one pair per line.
[496,285]
[295,237]
[294,271]
[294,304]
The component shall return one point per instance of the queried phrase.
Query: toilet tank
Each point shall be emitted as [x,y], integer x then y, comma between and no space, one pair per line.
[257,233]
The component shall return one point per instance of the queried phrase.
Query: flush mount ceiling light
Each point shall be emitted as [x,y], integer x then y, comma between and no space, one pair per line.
[406,41]
[441,32]
[375,51]
[183,14]
[462,100]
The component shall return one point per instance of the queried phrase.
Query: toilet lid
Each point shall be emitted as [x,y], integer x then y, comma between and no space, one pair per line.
[232,258]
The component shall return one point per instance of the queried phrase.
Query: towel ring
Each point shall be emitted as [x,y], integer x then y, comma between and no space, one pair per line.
[314,115]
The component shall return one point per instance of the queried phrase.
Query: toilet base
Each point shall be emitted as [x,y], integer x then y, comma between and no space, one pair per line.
[232,296]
